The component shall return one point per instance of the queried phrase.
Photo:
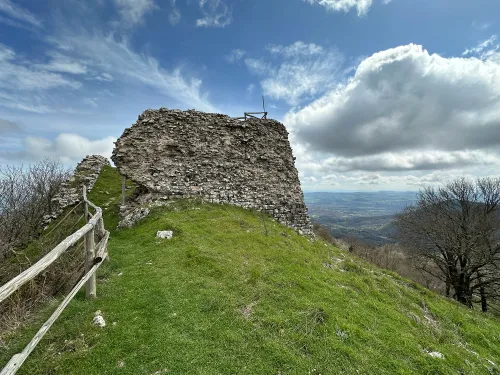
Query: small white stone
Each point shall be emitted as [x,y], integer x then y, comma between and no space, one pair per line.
[167,234]
[98,319]
[435,354]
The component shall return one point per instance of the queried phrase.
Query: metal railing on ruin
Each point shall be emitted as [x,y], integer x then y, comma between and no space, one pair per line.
[256,115]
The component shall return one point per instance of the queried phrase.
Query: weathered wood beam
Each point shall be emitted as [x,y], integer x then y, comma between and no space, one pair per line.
[100,230]
[29,274]
[93,206]
[101,249]
[94,255]
[90,287]
[18,359]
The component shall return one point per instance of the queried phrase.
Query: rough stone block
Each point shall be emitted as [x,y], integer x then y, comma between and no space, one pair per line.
[215,157]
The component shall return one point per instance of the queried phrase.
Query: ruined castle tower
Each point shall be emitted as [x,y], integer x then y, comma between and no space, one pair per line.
[172,153]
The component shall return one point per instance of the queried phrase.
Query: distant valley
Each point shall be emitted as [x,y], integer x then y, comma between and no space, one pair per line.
[364,215]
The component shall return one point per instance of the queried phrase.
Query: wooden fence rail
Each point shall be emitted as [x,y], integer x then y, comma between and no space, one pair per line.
[94,255]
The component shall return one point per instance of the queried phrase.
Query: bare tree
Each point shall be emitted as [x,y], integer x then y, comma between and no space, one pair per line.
[455,231]
[25,198]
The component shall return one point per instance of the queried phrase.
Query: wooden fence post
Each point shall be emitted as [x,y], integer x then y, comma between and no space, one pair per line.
[94,254]
[90,286]
[85,205]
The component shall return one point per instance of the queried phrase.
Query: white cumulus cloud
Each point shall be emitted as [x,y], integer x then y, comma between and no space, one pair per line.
[404,116]
[67,147]
[406,99]
[409,161]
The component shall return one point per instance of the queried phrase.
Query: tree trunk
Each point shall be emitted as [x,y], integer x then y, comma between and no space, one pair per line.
[463,294]
[484,303]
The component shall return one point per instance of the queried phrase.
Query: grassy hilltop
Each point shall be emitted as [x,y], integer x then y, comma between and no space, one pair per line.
[222,297]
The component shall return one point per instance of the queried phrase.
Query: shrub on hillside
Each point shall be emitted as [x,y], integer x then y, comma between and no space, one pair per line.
[26,195]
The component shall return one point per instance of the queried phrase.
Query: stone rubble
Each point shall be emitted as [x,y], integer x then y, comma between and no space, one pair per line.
[167,234]
[99,319]
[183,154]
[434,354]
[86,173]
[130,217]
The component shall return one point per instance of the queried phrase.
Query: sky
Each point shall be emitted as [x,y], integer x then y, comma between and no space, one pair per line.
[376,94]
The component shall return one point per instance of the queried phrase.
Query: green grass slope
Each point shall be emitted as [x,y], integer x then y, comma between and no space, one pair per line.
[222,297]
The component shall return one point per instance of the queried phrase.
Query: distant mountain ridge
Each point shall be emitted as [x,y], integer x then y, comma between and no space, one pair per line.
[365,215]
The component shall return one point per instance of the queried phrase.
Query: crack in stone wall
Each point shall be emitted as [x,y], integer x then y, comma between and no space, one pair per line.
[172,153]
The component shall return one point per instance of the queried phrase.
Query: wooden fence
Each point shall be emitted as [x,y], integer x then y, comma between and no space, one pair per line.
[94,255]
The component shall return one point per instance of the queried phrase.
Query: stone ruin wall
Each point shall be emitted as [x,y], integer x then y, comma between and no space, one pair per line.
[172,153]
[70,193]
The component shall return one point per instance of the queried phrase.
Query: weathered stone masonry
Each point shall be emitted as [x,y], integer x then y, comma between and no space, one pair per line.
[86,173]
[172,153]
